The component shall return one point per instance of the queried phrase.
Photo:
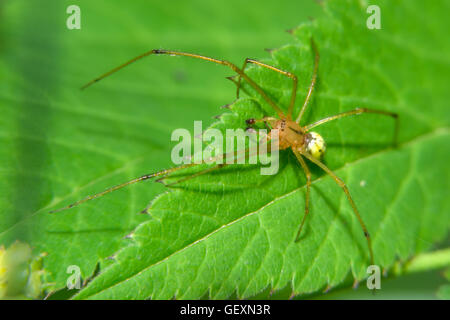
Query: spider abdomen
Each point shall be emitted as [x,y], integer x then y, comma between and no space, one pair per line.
[314,144]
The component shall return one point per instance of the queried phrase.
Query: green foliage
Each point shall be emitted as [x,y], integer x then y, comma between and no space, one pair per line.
[444,291]
[231,231]
[21,274]
[60,144]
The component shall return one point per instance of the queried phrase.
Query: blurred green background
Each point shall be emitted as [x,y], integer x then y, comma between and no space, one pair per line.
[44,115]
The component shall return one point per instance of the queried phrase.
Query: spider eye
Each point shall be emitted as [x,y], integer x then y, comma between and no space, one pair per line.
[315,145]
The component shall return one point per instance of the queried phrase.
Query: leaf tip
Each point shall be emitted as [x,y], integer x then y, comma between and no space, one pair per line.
[355,284]
[327,288]
[292,296]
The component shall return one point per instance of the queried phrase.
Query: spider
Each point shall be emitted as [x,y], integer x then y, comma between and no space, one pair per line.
[304,143]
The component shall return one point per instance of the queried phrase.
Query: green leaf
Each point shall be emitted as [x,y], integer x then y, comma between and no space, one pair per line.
[233,231]
[60,144]
[444,291]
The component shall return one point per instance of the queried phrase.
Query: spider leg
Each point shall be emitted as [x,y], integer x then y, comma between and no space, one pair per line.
[356,112]
[162,173]
[313,81]
[217,166]
[349,197]
[207,170]
[265,120]
[117,187]
[308,188]
[238,154]
[196,56]
[287,74]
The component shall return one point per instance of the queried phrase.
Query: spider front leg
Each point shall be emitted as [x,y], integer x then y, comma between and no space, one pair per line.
[308,188]
[120,186]
[356,112]
[285,73]
[349,197]
[224,161]
[265,120]
[313,81]
[195,56]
